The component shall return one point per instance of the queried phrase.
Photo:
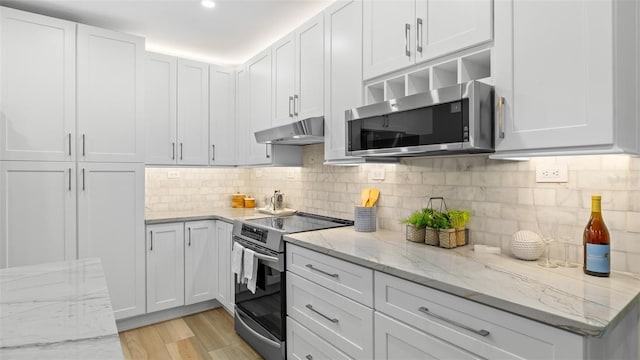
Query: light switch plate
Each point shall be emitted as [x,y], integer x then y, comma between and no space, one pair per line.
[555,173]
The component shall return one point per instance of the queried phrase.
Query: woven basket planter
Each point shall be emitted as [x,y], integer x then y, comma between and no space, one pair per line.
[431,237]
[461,238]
[447,238]
[414,234]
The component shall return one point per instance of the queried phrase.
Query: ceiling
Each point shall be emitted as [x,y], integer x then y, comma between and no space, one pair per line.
[228,34]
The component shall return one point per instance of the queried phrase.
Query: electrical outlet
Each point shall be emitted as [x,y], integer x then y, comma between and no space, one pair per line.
[557,173]
[377,174]
[258,173]
[173,174]
[291,174]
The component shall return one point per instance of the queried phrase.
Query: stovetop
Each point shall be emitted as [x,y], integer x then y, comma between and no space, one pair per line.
[300,222]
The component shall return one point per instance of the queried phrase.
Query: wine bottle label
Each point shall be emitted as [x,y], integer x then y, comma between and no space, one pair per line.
[598,258]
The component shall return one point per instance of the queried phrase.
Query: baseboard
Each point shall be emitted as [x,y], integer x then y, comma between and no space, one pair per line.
[164,315]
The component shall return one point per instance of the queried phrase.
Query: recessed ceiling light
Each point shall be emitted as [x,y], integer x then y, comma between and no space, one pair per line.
[209,4]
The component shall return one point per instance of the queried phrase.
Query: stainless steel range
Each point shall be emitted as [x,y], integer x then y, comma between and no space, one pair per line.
[260,318]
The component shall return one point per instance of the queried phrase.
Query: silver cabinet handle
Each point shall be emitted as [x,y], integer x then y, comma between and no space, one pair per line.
[419,35]
[290,101]
[69,179]
[83,152]
[173,151]
[407,33]
[189,236]
[426,311]
[151,248]
[295,101]
[213,152]
[69,144]
[180,151]
[500,119]
[321,271]
[309,357]
[310,307]
[266,150]
[82,179]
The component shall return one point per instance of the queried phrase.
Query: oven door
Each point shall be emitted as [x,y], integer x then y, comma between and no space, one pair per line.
[261,316]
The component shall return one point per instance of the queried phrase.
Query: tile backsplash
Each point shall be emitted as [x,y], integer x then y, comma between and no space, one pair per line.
[502,196]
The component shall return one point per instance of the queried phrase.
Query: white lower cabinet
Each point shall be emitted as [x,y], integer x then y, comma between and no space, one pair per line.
[165,266]
[226,286]
[111,227]
[181,264]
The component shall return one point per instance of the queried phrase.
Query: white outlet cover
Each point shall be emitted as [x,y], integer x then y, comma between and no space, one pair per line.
[555,173]
[377,174]
[291,174]
[173,174]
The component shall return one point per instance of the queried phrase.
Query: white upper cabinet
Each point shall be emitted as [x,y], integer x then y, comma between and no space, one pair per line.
[37,74]
[222,120]
[284,58]
[576,96]
[398,34]
[259,90]
[110,120]
[37,212]
[193,113]
[160,109]
[165,266]
[111,227]
[343,72]
[200,261]
[298,68]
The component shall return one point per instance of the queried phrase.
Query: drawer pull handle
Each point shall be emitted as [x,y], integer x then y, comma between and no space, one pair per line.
[481,332]
[309,357]
[310,307]
[321,271]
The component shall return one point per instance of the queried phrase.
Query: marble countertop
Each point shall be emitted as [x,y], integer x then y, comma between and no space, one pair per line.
[225,214]
[57,311]
[565,298]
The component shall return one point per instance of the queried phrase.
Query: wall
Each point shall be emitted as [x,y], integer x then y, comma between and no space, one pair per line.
[502,196]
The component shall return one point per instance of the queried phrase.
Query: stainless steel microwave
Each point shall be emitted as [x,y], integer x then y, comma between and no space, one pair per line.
[456,119]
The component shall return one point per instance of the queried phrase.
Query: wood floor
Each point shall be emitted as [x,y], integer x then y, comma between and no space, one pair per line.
[207,335]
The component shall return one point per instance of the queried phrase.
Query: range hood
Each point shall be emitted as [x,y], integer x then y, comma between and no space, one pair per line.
[302,132]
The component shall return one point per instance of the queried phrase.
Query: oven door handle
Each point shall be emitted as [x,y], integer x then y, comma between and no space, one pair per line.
[266,257]
[255,333]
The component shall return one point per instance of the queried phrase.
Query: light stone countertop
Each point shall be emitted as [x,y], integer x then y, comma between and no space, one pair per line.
[565,298]
[57,311]
[224,214]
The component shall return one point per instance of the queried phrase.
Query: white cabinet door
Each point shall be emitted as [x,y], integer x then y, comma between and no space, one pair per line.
[444,26]
[343,72]
[165,266]
[111,227]
[284,67]
[193,113]
[37,212]
[259,105]
[559,95]
[110,71]
[226,285]
[308,99]
[200,261]
[394,340]
[388,36]
[160,109]
[37,73]
[222,120]
[243,137]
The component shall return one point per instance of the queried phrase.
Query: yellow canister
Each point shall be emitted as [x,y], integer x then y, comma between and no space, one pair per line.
[237,200]
[249,202]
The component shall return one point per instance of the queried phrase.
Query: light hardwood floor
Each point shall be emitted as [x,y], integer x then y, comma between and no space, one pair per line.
[207,335]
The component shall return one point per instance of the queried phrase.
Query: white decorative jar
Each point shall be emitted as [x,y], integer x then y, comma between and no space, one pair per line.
[527,245]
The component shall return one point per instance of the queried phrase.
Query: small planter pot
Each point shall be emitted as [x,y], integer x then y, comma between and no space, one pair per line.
[461,238]
[431,236]
[447,238]
[414,234]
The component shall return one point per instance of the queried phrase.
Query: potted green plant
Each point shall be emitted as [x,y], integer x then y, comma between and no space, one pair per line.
[459,219]
[432,224]
[415,226]
[446,232]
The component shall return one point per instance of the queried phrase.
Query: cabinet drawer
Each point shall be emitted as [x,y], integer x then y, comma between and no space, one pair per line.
[302,344]
[345,278]
[338,320]
[460,321]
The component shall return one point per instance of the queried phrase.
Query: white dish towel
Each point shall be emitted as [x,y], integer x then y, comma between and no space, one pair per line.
[250,269]
[236,260]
